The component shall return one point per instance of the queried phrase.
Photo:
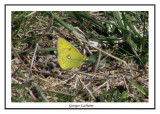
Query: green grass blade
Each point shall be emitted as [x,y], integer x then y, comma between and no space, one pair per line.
[139,87]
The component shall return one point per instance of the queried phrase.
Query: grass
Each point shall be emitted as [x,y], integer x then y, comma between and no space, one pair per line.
[115,71]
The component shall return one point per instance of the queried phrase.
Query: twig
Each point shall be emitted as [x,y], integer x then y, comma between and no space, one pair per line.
[51,74]
[63,82]
[101,86]
[30,14]
[98,61]
[31,93]
[77,78]
[17,55]
[87,89]
[43,96]
[60,93]
[15,80]
[91,75]
[125,83]
[84,73]
[33,58]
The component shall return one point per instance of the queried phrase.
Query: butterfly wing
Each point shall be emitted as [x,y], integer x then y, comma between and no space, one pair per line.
[68,56]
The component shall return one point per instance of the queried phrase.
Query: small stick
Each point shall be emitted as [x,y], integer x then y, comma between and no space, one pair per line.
[101,86]
[98,61]
[31,93]
[63,82]
[33,12]
[17,55]
[60,93]
[125,83]
[87,89]
[33,58]
[41,93]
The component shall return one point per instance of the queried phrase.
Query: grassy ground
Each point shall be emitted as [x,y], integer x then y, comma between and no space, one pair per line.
[116,70]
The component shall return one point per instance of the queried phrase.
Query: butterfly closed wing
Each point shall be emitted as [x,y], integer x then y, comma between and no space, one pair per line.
[68,56]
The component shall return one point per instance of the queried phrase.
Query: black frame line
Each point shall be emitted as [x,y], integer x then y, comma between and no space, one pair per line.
[80,4]
[154,5]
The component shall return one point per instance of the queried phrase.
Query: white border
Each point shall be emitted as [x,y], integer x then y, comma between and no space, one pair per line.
[9,104]
[79,8]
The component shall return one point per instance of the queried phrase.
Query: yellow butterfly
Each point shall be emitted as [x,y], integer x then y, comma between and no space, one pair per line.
[68,56]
